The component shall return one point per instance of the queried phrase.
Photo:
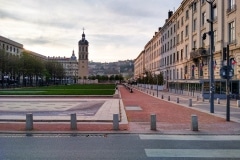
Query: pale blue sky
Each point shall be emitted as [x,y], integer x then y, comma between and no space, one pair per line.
[115,29]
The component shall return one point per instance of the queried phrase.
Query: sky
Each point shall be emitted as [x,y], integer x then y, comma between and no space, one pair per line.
[115,29]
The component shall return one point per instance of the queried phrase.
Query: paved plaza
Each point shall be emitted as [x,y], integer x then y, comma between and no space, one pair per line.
[56,109]
[134,110]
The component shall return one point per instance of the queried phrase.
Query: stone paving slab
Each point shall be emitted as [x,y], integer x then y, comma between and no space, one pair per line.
[59,109]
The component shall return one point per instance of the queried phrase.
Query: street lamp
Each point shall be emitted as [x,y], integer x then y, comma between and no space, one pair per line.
[211,36]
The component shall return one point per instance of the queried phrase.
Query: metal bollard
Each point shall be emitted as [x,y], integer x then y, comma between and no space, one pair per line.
[177,100]
[203,99]
[162,96]
[73,121]
[218,100]
[29,121]
[238,103]
[131,91]
[153,122]
[190,103]
[115,122]
[194,123]
[197,98]
[168,98]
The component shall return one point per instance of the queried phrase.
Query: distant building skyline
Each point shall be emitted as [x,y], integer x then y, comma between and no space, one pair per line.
[117,30]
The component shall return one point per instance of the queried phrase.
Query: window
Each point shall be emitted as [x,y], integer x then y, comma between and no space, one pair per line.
[181,54]
[231,5]
[177,73]
[187,14]
[173,57]
[231,28]
[177,56]
[194,6]
[182,36]
[174,73]
[182,21]
[203,43]
[194,45]
[215,36]
[174,41]
[177,38]
[174,28]
[186,51]
[185,70]
[194,25]
[171,30]
[203,18]
[214,12]
[202,2]
[178,25]
[186,32]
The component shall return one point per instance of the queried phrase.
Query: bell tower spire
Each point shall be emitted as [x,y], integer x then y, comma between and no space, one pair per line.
[83,58]
[83,35]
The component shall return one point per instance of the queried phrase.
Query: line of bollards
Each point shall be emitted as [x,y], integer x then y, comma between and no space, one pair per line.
[73,121]
[177,100]
[153,122]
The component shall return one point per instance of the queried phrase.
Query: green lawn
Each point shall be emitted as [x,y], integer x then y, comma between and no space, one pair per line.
[86,89]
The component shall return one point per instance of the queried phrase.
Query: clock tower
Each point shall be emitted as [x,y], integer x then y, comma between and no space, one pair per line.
[83,58]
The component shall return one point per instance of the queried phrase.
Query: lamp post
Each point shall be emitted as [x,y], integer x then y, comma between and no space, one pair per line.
[211,37]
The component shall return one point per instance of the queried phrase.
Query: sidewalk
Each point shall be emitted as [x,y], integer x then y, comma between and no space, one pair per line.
[172,118]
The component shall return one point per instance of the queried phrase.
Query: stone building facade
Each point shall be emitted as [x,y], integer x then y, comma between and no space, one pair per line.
[178,51]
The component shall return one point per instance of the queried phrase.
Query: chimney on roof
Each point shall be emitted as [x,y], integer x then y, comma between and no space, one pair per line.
[170,13]
[159,28]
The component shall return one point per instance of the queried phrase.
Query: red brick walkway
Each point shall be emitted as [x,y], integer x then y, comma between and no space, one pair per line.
[171,117]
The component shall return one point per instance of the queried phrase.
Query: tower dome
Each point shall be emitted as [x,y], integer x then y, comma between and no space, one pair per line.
[83,41]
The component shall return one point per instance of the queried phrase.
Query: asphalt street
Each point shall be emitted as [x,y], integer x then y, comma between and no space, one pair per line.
[119,146]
